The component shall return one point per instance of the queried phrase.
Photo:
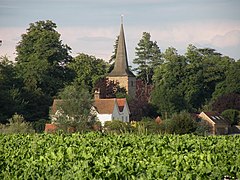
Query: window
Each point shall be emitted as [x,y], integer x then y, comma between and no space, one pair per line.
[126,119]
[132,83]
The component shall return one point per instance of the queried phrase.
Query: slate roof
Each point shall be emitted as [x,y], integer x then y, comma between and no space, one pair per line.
[217,118]
[121,62]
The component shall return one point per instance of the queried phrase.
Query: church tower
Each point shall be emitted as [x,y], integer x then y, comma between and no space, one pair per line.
[121,73]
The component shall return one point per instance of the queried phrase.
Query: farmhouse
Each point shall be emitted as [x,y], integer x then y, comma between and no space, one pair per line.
[218,124]
[111,109]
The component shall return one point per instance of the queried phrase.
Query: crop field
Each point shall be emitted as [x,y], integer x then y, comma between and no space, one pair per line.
[125,156]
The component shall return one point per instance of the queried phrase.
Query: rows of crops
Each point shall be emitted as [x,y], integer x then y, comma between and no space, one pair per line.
[127,156]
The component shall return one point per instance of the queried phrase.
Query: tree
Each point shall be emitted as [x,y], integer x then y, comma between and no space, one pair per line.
[114,54]
[88,70]
[233,115]
[148,56]
[42,58]
[75,108]
[231,83]
[226,101]
[188,82]
[10,94]
[167,94]
[41,66]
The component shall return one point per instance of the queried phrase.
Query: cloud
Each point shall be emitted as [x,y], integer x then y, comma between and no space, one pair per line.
[99,40]
[229,39]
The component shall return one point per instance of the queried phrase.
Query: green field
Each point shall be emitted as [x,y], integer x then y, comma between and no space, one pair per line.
[125,156]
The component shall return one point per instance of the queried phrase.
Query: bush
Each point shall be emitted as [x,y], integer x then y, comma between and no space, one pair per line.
[148,126]
[181,123]
[232,115]
[17,124]
[39,126]
[117,126]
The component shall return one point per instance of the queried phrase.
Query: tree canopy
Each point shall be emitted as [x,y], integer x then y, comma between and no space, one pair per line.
[188,82]
[88,70]
[148,56]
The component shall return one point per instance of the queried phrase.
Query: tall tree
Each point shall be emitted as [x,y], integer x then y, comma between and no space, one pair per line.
[167,95]
[88,70]
[10,95]
[148,56]
[41,64]
[42,58]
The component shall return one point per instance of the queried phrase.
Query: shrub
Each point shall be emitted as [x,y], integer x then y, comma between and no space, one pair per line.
[17,124]
[181,123]
[148,126]
[39,126]
[117,126]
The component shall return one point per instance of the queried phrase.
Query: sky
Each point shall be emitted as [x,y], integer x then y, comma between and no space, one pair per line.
[91,26]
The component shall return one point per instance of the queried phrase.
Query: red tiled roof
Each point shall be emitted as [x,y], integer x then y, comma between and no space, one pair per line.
[104,106]
[121,102]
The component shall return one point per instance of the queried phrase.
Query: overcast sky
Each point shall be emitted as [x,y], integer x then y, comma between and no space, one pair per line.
[91,26]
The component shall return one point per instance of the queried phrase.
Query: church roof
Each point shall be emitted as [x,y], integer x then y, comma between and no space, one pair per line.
[121,62]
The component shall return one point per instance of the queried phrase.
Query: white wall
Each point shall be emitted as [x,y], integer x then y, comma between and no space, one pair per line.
[104,117]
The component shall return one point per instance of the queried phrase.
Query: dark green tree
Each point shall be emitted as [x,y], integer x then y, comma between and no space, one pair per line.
[167,94]
[231,83]
[10,94]
[41,65]
[114,54]
[42,58]
[188,82]
[148,56]
[88,70]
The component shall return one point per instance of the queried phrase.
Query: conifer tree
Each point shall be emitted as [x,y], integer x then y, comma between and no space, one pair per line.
[148,56]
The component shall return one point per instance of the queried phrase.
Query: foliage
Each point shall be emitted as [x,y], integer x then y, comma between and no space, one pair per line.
[41,66]
[231,83]
[39,125]
[233,115]
[42,58]
[148,126]
[10,94]
[16,125]
[188,82]
[113,156]
[88,69]
[117,126]
[110,89]
[181,123]
[148,56]
[75,109]
[113,56]
[226,101]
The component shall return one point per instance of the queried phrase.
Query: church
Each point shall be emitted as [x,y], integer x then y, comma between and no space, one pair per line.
[108,109]
[117,108]
[121,73]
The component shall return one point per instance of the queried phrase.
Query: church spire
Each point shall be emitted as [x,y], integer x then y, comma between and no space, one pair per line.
[121,62]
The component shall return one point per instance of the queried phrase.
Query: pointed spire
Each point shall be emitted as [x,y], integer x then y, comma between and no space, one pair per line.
[121,62]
